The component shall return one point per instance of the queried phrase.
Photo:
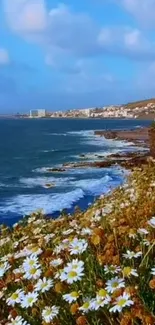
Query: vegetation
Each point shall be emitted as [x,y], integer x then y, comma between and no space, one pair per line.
[140,103]
[92,268]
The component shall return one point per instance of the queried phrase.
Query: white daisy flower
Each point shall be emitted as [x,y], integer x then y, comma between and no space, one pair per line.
[146,242]
[78,246]
[153,271]
[151,222]
[49,313]
[43,285]
[68,232]
[29,299]
[71,276]
[34,250]
[3,268]
[121,302]
[114,284]
[87,306]
[142,231]
[114,269]
[86,231]
[99,302]
[48,237]
[71,297]
[130,254]
[30,262]
[73,272]
[33,273]
[56,262]
[18,321]
[15,298]
[75,265]
[128,271]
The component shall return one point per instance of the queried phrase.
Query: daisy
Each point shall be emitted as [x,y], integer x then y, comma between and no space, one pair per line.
[34,250]
[49,313]
[86,306]
[151,222]
[99,302]
[15,298]
[75,264]
[56,262]
[43,285]
[29,299]
[33,273]
[86,231]
[146,242]
[78,246]
[153,271]
[30,262]
[121,302]
[128,271]
[114,284]
[71,297]
[130,254]
[114,269]
[68,232]
[71,275]
[3,268]
[142,231]
[18,321]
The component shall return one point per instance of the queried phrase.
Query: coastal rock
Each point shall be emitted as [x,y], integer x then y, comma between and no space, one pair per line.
[56,170]
[49,185]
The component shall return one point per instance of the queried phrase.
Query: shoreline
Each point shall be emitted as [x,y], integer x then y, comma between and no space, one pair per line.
[126,160]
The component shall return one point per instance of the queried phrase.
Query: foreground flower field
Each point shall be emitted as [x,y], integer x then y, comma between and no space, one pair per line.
[96,267]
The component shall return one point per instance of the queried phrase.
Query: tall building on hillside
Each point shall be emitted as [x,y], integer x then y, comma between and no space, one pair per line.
[37,113]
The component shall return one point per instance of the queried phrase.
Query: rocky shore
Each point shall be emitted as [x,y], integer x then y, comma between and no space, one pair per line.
[139,137]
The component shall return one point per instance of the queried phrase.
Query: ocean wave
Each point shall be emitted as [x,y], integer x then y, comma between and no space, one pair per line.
[25,204]
[50,203]
[57,134]
[42,181]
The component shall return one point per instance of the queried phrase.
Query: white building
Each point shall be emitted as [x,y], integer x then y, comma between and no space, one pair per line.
[37,113]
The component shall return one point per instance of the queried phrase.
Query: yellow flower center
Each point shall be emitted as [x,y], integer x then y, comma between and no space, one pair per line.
[30,299]
[74,294]
[102,293]
[48,312]
[72,274]
[114,284]
[14,296]
[31,263]
[33,271]
[122,302]
[126,271]
[86,305]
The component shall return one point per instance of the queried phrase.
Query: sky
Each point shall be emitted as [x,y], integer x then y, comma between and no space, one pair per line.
[74,54]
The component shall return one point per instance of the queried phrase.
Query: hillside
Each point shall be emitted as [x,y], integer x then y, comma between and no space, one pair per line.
[140,103]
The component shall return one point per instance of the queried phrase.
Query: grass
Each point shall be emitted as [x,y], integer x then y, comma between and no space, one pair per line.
[94,268]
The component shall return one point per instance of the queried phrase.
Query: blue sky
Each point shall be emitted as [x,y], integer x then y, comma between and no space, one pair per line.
[59,55]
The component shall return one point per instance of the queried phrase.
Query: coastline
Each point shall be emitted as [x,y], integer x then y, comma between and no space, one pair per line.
[100,164]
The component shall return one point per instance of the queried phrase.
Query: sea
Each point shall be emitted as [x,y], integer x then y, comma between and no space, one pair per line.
[28,147]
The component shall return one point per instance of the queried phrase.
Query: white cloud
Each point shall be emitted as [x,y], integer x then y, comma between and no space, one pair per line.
[126,41]
[66,35]
[4,56]
[25,16]
[142,10]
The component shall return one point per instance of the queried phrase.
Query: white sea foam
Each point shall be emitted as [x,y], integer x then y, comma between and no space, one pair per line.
[91,139]
[24,204]
[42,181]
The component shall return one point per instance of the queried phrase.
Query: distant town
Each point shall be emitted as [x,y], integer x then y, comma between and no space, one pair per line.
[142,109]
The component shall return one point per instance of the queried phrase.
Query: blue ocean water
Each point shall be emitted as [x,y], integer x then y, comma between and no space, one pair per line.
[29,147]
